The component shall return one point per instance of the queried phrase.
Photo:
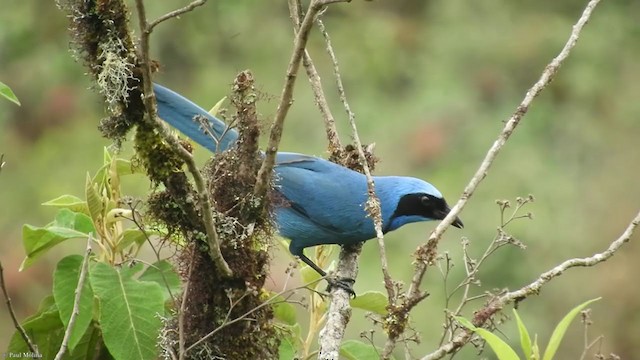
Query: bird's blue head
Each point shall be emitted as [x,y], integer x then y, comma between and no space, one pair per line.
[415,200]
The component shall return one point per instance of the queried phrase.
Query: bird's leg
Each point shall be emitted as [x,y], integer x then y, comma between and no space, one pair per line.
[345,284]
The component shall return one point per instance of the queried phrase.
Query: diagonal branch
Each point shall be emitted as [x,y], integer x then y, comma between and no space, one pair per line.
[286,98]
[426,253]
[150,106]
[295,10]
[16,323]
[485,313]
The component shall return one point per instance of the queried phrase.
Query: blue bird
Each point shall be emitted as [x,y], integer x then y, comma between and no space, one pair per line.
[324,202]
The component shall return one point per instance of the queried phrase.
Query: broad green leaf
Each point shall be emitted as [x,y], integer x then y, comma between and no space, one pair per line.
[502,350]
[65,281]
[561,329]
[284,311]
[74,220]
[357,350]
[70,202]
[67,225]
[525,339]
[128,313]
[131,269]
[373,301]
[44,328]
[287,349]
[37,241]
[163,273]
[7,93]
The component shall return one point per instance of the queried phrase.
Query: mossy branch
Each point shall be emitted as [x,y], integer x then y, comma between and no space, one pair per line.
[150,106]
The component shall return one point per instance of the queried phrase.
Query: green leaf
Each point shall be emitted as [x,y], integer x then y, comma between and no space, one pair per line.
[67,225]
[287,349]
[44,328]
[74,220]
[284,311]
[163,273]
[373,301]
[561,329]
[525,339]
[8,94]
[502,349]
[65,281]
[70,202]
[357,350]
[128,312]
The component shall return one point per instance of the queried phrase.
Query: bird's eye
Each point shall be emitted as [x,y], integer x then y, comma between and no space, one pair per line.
[425,200]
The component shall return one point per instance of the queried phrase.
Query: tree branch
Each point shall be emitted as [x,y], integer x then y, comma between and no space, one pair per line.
[496,304]
[150,106]
[295,10]
[426,253]
[76,300]
[175,13]
[286,99]
[16,324]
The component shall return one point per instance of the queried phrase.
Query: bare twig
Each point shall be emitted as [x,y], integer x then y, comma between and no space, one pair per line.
[484,314]
[1,162]
[76,300]
[16,324]
[425,254]
[181,339]
[339,310]
[316,84]
[286,98]
[175,13]
[150,106]
[373,205]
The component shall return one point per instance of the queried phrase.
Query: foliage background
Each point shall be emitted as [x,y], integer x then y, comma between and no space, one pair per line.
[430,82]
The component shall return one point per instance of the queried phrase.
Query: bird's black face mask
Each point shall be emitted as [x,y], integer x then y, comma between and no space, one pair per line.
[425,205]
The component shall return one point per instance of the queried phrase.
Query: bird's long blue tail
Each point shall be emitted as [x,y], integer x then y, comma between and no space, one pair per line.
[180,113]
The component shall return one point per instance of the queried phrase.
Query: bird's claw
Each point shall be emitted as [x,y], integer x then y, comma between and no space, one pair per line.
[345,284]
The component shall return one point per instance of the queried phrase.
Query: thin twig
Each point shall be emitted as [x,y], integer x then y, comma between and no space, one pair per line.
[175,13]
[286,98]
[16,324]
[76,300]
[295,10]
[150,106]
[484,314]
[425,254]
[339,312]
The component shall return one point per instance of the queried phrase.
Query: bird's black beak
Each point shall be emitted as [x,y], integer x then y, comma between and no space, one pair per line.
[456,222]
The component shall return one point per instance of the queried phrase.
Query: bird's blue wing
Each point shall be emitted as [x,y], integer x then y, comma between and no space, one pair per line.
[324,194]
[179,112]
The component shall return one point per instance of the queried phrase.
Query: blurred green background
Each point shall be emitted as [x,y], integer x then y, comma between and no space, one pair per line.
[431,83]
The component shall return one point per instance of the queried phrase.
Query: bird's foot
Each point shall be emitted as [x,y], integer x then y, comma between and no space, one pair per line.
[345,284]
